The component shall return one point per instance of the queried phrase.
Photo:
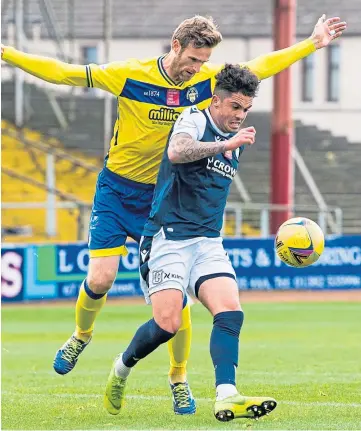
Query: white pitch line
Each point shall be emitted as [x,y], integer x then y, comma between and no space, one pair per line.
[350,374]
[201,399]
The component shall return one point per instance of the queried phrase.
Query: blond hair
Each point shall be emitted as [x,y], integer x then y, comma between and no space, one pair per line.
[198,31]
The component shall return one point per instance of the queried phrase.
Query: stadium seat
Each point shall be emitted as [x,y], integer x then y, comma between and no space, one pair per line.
[30,163]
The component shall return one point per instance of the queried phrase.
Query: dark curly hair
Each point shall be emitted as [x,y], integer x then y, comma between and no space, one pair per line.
[236,79]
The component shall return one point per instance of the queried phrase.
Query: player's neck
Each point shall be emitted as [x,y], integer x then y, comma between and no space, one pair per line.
[167,62]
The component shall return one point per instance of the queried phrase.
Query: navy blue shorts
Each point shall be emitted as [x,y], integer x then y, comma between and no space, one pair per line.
[120,209]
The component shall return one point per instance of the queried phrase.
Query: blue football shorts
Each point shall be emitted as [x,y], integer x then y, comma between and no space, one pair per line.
[120,209]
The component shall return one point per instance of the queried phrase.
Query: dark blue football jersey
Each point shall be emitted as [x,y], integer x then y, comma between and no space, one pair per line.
[189,198]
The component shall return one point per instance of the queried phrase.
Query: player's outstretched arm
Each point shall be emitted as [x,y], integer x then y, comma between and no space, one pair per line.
[184,149]
[325,31]
[109,77]
[47,69]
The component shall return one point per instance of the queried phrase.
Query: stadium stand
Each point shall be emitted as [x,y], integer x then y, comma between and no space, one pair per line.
[23,181]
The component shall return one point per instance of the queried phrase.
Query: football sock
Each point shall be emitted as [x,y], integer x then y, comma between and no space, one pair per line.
[121,370]
[87,307]
[225,390]
[179,347]
[147,338]
[224,345]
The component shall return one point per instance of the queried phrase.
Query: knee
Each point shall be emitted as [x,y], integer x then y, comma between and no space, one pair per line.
[169,320]
[233,306]
[101,282]
[228,305]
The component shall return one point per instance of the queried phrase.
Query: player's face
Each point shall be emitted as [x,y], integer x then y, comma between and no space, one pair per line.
[188,61]
[231,111]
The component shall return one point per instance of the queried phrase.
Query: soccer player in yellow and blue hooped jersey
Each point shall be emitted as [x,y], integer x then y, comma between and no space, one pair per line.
[151,94]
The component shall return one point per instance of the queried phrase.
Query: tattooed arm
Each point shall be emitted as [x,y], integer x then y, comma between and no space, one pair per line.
[184,149]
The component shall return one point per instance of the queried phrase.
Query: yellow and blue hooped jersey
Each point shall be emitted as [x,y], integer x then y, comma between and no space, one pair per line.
[149,103]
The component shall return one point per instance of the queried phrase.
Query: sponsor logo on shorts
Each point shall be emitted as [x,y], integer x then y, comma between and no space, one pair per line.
[160,276]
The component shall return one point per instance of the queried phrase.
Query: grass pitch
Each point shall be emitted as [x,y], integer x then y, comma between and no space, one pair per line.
[306,355]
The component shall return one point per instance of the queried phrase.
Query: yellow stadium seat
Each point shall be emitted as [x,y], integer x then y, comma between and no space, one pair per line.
[30,163]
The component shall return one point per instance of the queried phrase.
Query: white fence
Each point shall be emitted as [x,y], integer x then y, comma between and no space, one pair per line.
[237,215]
[259,215]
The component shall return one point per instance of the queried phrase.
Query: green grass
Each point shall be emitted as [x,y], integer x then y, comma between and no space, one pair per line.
[308,356]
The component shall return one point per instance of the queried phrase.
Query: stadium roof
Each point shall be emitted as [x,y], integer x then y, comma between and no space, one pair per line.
[158,18]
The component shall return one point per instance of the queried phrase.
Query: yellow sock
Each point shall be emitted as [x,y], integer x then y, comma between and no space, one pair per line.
[179,348]
[86,311]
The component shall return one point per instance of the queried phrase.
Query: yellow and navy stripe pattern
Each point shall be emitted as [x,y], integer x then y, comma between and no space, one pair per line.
[142,92]
[89,78]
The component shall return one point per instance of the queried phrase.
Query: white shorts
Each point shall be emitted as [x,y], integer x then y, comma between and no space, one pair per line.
[182,265]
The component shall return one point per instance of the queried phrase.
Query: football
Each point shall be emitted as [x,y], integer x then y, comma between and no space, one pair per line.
[299,242]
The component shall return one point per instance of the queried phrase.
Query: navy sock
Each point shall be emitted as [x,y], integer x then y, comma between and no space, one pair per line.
[147,338]
[90,293]
[224,345]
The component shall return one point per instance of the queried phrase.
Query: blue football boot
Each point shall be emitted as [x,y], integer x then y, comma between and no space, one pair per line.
[67,356]
[183,401]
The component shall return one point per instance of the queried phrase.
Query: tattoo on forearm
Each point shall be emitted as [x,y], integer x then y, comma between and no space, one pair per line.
[188,150]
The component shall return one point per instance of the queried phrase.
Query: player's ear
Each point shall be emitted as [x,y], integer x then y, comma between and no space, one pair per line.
[216,101]
[176,46]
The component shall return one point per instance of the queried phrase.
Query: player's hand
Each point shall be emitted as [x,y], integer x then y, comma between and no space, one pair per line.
[246,136]
[326,30]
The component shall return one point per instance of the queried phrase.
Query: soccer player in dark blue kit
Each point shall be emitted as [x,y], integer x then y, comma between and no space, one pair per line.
[182,248]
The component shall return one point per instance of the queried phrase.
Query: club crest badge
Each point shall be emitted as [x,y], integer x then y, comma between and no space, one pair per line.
[192,94]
